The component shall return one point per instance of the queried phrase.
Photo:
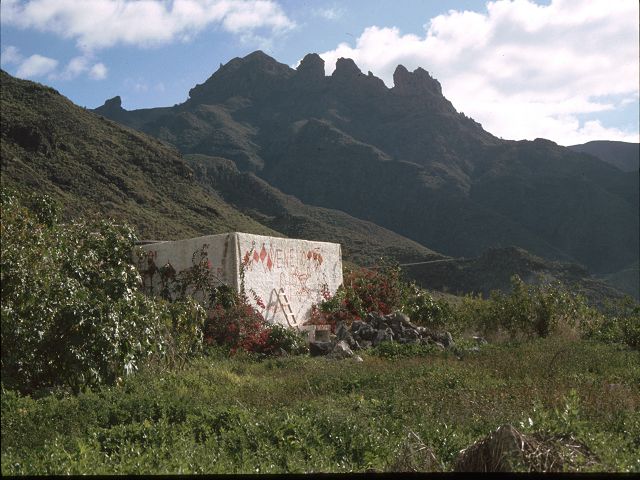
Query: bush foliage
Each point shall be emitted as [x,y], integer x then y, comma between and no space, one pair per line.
[302,414]
[526,312]
[74,315]
[72,311]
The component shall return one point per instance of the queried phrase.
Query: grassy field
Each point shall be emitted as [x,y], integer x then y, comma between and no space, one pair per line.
[302,414]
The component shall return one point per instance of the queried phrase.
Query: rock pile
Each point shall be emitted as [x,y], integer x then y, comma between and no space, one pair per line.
[508,450]
[375,329]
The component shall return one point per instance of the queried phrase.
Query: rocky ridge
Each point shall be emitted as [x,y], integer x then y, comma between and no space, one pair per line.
[402,158]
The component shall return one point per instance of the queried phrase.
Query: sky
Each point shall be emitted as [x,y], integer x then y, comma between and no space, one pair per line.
[566,70]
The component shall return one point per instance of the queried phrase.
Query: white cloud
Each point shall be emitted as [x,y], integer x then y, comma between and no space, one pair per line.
[522,70]
[81,65]
[98,24]
[137,85]
[10,55]
[75,67]
[36,66]
[98,71]
[330,13]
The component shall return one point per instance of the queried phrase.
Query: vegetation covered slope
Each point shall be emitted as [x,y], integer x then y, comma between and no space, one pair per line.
[402,158]
[304,415]
[362,242]
[494,269]
[624,155]
[91,164]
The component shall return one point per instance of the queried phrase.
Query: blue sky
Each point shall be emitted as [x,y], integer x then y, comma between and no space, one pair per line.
[567,70]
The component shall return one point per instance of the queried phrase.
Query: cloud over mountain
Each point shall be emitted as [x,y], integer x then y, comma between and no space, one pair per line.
[98,24]
[549,66]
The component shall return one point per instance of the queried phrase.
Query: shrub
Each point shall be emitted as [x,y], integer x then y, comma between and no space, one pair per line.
[423,310]
[527,311]
[364,291]
[72,313]
[285,339]
[399,350]
[619,323]
[234,323]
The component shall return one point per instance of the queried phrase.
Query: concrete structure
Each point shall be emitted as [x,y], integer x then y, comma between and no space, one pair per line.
[283,277]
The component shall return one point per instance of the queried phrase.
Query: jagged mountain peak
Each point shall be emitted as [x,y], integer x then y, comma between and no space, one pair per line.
[112,108]
[312,65]
[256,60]
[450,184]
[346,67]
[249,76]
[115,102]
[415,83]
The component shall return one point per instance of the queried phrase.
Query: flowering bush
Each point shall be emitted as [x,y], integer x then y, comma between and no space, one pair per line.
[233,323]
[363,291]
[238,326]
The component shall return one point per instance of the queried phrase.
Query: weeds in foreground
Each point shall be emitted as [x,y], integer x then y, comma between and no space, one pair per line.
[301,414]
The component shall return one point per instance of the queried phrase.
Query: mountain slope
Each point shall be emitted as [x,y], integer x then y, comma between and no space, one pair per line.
[493,271]
[624,155]
[93,165]
[362,242]
[402,158]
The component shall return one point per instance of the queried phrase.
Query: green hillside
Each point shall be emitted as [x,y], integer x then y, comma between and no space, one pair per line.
[93,165]
[624,155]
[494,269]
[362,242]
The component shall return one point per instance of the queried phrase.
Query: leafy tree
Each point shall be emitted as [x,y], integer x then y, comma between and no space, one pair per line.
[72,311]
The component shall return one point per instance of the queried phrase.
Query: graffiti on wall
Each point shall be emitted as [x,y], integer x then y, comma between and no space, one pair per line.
[196,280]
[296,271]
[282,278]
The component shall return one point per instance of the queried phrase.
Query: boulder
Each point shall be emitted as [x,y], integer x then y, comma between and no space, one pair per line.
[366,332]
[356,325]
[342,332]
[385,335]
[444,338]
[340,351]
[317,349]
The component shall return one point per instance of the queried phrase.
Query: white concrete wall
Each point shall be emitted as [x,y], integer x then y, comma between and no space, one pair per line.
[221,259]
[300,267]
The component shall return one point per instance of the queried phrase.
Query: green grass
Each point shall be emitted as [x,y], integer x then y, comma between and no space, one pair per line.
[301,414]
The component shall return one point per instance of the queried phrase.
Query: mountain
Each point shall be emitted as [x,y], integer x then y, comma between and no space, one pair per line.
[493,271]
[626,280]
[402,158]
[624,155]
[93,165]
[362,242]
